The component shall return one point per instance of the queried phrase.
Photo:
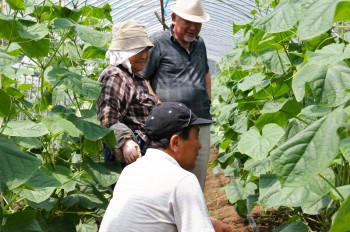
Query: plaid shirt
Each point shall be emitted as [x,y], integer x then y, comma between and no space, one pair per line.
[124,98]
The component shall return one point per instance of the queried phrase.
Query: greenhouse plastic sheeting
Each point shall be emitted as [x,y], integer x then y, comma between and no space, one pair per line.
[217,33]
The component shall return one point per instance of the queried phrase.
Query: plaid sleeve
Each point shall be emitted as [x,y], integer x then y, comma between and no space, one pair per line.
[115,97]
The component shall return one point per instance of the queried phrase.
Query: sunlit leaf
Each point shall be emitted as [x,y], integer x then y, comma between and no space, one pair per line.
[342,11]
[6,61]
[275,61]
[328,83]
[283,18]
[251,81]
[236,191]
[32,32]
[258,145]
[25,128]
[330,54]
[273,195]
[42,186]
[278,112]
[309,152]
[91,36]
[16,4]
[317,18]
[56,124]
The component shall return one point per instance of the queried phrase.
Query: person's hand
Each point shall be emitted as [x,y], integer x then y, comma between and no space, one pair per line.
[220,226]
[131,151]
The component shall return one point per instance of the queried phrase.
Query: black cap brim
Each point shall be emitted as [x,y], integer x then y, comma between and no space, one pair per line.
[201,121]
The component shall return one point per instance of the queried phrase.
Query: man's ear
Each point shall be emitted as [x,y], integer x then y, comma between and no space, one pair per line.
[174,143]
[173,18]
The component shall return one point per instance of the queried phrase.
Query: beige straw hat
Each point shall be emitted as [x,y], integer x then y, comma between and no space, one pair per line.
[191,10]
[129,35]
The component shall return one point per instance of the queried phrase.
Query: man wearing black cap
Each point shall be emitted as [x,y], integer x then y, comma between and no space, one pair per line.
[157,193]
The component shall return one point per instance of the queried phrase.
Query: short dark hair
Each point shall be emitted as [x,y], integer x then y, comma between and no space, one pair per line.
[164,142]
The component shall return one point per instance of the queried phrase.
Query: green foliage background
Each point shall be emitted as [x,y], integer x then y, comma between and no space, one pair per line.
[282,112]
[52,177]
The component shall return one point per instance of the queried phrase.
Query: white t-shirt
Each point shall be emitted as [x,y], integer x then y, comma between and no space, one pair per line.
[155,194]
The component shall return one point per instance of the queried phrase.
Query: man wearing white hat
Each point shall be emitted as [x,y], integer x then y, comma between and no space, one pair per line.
[178,69]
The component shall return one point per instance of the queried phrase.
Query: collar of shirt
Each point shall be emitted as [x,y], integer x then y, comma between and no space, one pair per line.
[156,154]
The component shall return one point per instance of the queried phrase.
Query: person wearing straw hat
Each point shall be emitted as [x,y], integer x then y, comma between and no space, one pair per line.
[157,193]
[178,69]
[125,102]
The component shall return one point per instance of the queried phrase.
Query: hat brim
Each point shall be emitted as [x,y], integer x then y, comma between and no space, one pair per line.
[193,18]
[130,43]
[201,121]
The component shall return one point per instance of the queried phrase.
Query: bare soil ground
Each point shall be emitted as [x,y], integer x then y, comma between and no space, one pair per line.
[220,208]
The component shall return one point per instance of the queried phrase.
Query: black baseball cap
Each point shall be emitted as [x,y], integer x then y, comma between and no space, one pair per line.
[169,118]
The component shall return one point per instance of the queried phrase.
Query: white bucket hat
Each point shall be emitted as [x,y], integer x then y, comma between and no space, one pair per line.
[129,35]
[191,10]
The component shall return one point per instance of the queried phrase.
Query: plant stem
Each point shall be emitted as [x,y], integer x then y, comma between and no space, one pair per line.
[333,187]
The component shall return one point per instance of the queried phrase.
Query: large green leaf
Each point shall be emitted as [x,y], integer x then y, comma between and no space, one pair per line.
[38,48]
[343,190]
[27,142]
[250,81]
[341,220]
[22,221]
[258,167]
[275,61]
[328,83]
[8,28]
[105,174]
[32,32]
[330,54]
[345,148]
[273,195]
[56,124]
[7,107]
[258,146]
[279,112]
[25,128]
[236,191]
[274,88]
[16,4]
[41,187]
[293,227]
[302,157]
[317,18]
[63,174]
[87,88]
[92,52]
[6,61]
[96,12]
[90,130]
[47,204]
[16,167]
[51,12]
[89,199]
[342,11]
[91,36]
[283,18]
